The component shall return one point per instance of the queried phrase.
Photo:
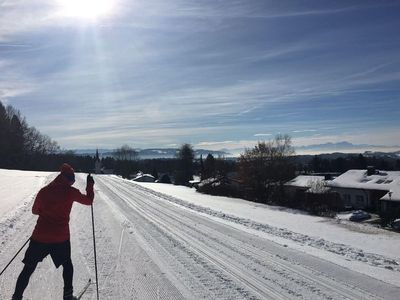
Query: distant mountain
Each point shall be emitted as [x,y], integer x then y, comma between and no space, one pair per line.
[152,153]
[395,154]
[102,152]
[341,146]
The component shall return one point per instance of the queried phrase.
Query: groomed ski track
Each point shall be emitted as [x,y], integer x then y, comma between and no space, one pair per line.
[152,248]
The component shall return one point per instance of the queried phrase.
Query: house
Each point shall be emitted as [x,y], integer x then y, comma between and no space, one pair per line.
[140,177]
[195,182]
[303,183]
[221,185]
[164,178]
[311,192]
[369,189]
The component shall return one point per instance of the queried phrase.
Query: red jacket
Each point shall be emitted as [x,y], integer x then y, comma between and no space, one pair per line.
[53,204]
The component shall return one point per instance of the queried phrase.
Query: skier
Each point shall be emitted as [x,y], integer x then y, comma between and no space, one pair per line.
[51,235]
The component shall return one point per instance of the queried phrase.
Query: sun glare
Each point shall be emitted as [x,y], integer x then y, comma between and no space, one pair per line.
[85,9]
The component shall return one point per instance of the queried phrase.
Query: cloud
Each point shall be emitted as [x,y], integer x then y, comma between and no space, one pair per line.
[208,144]
[263,134]
[13,83]
[304,130]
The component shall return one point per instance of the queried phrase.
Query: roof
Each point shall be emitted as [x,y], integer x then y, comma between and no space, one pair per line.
[382,180]
[304,180]
[140,176]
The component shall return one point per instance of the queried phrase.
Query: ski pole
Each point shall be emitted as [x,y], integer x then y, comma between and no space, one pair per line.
[14,256]
[95,257]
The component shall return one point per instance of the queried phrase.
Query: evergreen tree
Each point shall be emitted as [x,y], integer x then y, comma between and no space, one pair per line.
[184,172]
[4,135]
[361,162]
[202,170]
[209,166]
[397,166]
[16,140]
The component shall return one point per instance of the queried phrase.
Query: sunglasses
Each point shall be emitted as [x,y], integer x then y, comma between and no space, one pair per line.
[70,177]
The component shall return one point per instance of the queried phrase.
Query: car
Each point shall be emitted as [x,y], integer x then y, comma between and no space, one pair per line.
[359,215]
[396,224]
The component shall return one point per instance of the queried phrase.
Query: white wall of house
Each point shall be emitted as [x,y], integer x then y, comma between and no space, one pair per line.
[356,198]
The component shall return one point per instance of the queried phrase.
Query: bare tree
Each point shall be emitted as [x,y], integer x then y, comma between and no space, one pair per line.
[126,153]
[264,168]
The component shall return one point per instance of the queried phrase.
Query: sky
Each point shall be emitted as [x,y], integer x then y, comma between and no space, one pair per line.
[217,74]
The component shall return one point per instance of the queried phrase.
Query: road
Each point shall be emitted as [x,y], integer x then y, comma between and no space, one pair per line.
[151,248]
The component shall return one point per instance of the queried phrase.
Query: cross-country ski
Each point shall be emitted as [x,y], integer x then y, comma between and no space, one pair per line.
[84,289]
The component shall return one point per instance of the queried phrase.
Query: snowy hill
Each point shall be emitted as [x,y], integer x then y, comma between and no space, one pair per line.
[158,241]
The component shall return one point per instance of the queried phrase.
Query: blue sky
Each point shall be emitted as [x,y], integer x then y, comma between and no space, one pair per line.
[217,74]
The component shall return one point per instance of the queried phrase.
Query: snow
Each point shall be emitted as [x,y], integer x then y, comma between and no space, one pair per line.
[17,188]
[305,180]
[159,241]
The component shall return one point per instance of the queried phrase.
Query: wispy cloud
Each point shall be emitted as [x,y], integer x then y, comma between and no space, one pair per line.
[304,130]
[219,144]
[166,72]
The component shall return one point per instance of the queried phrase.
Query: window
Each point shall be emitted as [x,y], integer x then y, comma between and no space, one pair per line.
[347,199]
[359,200]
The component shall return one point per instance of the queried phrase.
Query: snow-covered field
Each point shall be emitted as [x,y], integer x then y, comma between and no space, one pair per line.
[157,241]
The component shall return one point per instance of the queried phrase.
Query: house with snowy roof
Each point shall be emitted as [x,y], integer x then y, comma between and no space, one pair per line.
[369,189]
[302,183]
[312,192]
[140,177]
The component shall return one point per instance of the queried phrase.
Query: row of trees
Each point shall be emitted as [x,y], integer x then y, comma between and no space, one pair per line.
[341,164]
[20,143]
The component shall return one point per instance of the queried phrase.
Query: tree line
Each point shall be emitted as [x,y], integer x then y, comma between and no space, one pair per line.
[19,142]
[323,164]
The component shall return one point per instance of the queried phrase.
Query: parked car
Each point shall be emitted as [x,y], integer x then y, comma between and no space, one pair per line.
[359,215]
[396,224]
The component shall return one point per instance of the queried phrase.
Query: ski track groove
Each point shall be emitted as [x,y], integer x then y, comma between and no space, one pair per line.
[351,253]
[329,283]
[346,290]
[198,259]
[142,283]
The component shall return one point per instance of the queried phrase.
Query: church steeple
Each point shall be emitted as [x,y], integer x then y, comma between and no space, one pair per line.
[97,155]
[97,163]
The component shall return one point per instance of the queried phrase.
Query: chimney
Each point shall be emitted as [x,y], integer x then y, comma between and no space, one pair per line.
[371,170]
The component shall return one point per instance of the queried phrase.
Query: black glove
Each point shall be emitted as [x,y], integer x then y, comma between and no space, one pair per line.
[89,179]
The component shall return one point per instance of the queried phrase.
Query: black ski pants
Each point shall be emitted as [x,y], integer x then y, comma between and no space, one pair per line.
[27,271]
[36,252]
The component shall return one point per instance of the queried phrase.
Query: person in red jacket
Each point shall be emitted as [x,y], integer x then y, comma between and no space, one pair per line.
[51,235]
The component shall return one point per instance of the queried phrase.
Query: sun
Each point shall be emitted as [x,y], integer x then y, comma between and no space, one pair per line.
[85,9]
